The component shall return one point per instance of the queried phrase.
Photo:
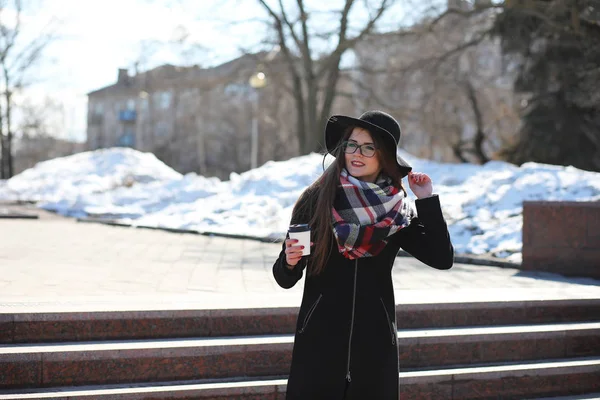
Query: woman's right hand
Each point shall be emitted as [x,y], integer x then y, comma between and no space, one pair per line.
[293,253]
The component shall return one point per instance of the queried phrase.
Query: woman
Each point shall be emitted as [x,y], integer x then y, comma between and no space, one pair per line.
[345,344]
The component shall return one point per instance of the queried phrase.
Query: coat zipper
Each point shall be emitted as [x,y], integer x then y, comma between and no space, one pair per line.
[310,313]
[348,377]
[390,325]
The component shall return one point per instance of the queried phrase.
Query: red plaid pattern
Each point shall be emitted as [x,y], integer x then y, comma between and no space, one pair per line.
[365,214]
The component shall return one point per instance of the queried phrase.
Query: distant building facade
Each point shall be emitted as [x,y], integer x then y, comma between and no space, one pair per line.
[200,120]
[438,103]
[32,149]
[194,119]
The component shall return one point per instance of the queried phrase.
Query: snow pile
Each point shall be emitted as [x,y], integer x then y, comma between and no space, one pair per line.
[482,204]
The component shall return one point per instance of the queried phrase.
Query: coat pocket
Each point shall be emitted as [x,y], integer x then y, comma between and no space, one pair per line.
[391,325]
[309,314]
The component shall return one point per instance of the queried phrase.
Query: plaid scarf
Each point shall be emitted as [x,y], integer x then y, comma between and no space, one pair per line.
[365,214]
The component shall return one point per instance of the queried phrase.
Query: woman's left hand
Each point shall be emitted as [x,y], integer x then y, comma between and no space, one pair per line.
[420,184]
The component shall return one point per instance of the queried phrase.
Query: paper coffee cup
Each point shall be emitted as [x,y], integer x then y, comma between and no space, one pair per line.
[301,232]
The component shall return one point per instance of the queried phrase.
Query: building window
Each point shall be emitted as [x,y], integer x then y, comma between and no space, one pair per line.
[161,129]
[127,139]
[165,100]
[99,109]
[237,89]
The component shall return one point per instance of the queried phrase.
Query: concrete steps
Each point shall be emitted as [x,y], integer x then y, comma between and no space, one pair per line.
[508,350]
[113,362]
[485,345]
[89,326]
[593,396]
[273,389]
[143,361]
[509,381]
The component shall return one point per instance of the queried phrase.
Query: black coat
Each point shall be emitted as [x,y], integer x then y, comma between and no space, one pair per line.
[345,345]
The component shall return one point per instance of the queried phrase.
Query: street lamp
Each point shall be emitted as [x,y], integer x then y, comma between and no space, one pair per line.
[257,81]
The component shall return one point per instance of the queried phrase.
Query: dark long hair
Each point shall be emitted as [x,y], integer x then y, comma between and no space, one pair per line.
[325,189]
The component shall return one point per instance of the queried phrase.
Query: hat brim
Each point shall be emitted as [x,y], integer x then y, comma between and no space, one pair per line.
[337,125]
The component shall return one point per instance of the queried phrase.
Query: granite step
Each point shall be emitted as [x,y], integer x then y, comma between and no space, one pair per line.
[243,389]
[122,325]
[420,349]
[591,396]
[508,381]
[511,381]
[97,363]
[85,363]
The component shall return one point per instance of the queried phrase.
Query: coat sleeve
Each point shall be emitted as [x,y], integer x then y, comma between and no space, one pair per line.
[284,276]
[427,238]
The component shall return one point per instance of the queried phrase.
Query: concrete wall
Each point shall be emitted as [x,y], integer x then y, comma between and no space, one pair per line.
[562,237]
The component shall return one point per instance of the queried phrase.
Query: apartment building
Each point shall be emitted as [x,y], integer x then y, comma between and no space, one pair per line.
[201,119]
[195,119]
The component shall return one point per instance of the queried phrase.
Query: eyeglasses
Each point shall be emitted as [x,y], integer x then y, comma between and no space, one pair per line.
[367,150]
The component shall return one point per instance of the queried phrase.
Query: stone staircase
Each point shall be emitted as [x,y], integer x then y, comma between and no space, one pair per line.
[479,350]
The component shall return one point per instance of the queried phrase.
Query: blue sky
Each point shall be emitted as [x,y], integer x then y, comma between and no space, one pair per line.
[96,38]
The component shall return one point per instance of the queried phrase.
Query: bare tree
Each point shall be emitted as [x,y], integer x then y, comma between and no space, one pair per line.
[17,58]
[445,79]
[315,73]
[185,51]
[37,134]
[556,45]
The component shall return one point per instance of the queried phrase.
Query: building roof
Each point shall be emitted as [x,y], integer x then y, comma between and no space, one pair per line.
[168,72]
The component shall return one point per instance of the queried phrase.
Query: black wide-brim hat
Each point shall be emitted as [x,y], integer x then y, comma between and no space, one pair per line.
[377,123]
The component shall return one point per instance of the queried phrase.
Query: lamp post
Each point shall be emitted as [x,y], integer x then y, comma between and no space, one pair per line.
[142,118]
[257,81]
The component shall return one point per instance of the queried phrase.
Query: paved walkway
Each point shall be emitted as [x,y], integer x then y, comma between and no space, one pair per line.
[57,263]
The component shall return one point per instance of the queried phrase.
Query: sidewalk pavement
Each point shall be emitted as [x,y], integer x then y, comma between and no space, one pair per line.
[57,264]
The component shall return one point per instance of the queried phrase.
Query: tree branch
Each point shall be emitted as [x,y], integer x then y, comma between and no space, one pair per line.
[282,42]
[334,70]
[305,47]
[463,13]
[289,25]
[480,134]
[344,44]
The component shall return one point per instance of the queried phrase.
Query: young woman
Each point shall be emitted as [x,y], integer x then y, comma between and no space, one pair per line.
[345,345]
